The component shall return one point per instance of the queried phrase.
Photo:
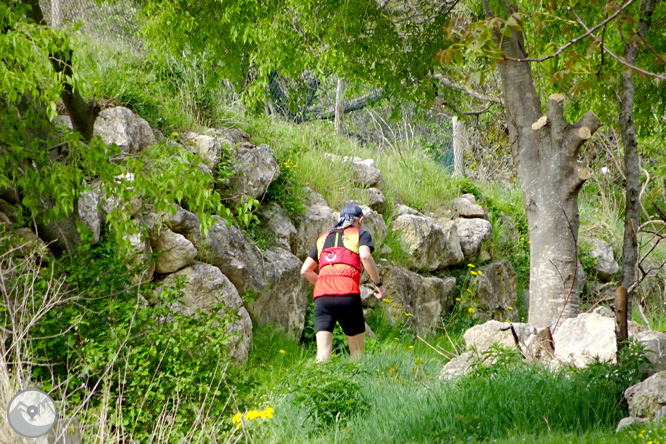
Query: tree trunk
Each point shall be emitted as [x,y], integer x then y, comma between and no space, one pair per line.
[339,106]
[82,113]
[545,151]
[631,164]
[458,147]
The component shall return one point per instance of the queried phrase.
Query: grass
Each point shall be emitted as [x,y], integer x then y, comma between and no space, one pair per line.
[397,397]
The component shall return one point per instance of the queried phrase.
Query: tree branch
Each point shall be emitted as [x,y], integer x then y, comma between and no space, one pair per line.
[318,112]
[449,84]
[620,60]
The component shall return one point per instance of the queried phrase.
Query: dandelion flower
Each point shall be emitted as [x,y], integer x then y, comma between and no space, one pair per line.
[480,272]
[411,346]
[408,314]
[471,265]
[469,291]
[282,351]
[470,309]
[96,82]
[510,308]
[522,238]
[458,299]
[396,339]
[474,273]
[236,418]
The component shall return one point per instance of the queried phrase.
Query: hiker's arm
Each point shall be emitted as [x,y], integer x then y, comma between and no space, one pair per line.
[371,268]
[308,270]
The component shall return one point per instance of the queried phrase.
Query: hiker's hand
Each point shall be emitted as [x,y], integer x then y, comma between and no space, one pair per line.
[379,292]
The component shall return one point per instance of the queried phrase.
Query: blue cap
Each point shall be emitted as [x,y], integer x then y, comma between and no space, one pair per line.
[348,214]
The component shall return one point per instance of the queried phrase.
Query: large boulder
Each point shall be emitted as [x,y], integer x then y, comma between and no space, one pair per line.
[239,259]
[173,250]
[272,280]
[208,148]
[481,337]
[476,239]
[654,343]
[374,197]
[496,292]
[121,126]
[466,207]
[648,398]
[283,299]
[606,266]
[255,169]
[318,219]
[365,172]
[140,253]
[578,341]
[89,210]
[205,287]
[274,218]
[373,223]
[430,245]
[411,297]
[182,222]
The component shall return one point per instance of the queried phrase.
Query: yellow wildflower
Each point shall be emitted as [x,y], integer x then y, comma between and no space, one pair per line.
[480,272]
[282,351]
[469,291]
[252,414]
[408,314]
[471,265]
[474,273]
[396,339]
[470,309]
[510,308]
[522,238]
[268,413]
[411,346]
[96,81]
[458,299]
[236,418]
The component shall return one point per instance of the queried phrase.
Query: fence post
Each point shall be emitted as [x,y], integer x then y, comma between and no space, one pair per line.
[458,147]
[339,106]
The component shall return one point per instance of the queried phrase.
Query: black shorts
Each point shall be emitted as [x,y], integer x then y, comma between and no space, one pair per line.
[345,309]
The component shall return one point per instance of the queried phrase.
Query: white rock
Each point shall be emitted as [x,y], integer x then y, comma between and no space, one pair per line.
[121,126]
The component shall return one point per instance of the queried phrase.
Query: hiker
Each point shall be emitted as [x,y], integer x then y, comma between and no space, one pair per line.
[341,254]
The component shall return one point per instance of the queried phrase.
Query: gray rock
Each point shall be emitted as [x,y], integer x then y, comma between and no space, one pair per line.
[274,218]
[405,210]
[29,242]
[429,246]
[604,311]
[230,136]
[496,292]
[272,280]
[235,255]
[89,211]
[283,299]
[208,148]
[365,172]
[654,343]
[376,199]
[630,422]
[184,222]
[140,253]
[121,126]
[481,337]
[173,250]
[458,366]
[315,198]
[422,301]
[373,223]
[205,287]
[466,207]
[5,220]
[317,220]
[579,340]
[605,261]
[647,398]
[476,239]
[256,169]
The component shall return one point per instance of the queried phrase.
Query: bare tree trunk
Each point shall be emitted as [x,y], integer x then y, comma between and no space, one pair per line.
[82,113]
[545,151]
[631,164]
[458,147]
[339,106]
[56,13]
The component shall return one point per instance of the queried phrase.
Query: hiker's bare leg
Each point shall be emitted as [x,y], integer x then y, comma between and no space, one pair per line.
[324,345]
[356,345]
